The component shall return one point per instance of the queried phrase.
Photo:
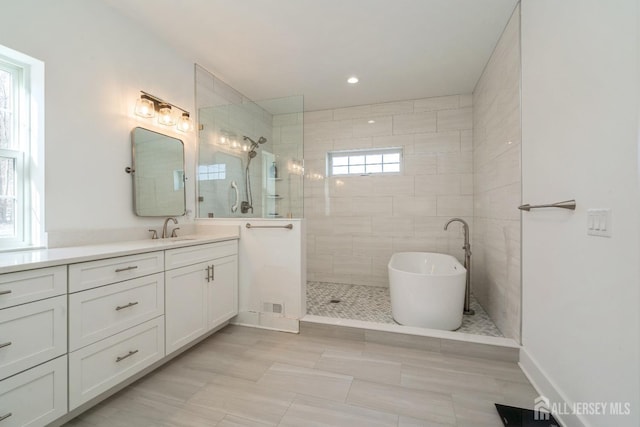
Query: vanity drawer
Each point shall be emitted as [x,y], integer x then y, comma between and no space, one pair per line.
[91,274]
[101,312]
[32,285]
[181,257]
[98,367]
[35,397]
[31,334]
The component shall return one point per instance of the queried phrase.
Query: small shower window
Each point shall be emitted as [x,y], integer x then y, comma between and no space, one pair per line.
[212,172]
[364,162]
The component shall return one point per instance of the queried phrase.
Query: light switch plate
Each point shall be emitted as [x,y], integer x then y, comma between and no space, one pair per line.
[599,222]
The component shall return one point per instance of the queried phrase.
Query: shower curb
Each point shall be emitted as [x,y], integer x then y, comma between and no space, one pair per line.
[445,342]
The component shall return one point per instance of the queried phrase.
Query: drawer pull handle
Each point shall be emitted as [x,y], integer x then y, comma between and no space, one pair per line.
[209,273]
[8,291]
[4,417]
[132,267]
[121,358]
[3,345]
[121,307]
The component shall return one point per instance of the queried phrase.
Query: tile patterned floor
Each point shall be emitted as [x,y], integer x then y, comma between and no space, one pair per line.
[255,378]
[373,304]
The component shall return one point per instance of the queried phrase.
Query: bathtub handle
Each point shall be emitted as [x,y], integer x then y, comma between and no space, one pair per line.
[567,204]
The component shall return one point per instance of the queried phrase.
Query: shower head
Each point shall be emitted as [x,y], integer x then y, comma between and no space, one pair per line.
[252,154]
[261,140]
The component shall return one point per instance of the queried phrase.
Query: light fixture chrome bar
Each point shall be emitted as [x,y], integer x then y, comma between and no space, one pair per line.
[159,101]
[567,204]
[288,226]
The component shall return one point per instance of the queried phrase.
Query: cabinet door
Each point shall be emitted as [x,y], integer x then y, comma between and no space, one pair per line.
[31,285]
[101,312]
[35,397]
[223,291]
[32,333]
[185,304]
[96,368]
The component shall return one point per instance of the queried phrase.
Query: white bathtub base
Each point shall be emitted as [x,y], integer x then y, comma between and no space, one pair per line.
[427,290]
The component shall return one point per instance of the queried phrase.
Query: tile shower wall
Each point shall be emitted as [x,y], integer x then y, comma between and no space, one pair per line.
[355,224]
[497,184]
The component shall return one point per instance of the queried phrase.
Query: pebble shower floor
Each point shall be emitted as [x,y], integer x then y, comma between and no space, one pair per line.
[373,304]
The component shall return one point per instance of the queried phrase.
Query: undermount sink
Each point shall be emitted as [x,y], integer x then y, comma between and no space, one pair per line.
[180,239]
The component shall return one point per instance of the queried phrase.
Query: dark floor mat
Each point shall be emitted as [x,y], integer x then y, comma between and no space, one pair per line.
[520,417]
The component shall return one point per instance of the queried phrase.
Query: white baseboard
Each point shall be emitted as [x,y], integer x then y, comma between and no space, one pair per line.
[547,388]
[266,321]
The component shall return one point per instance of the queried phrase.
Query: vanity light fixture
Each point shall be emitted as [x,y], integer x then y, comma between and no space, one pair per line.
[184,123]
[165,115]
[145,107]
[149,106]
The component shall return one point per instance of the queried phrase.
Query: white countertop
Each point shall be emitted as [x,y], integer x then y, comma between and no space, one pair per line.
[28,260]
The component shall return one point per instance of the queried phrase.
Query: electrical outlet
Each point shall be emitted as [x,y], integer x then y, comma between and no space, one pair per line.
[599,222]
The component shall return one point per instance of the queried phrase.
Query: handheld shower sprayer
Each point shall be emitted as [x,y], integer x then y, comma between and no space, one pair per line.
[247,205]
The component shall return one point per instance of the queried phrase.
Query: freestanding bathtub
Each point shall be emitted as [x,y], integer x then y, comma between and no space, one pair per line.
[427,290]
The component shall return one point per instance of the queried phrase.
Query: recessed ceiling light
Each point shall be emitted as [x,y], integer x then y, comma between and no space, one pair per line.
[353,80]
[371,122]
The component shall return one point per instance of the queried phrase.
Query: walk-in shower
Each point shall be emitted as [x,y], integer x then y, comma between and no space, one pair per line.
[247,205]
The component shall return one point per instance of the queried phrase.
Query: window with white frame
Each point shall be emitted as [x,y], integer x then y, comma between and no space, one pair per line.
[212,172]
[21,113]
[364,162]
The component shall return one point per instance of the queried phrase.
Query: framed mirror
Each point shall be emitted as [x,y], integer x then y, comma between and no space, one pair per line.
[158,174]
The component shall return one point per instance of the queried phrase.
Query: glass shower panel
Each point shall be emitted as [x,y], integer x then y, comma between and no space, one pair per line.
[249,153]
[283,192]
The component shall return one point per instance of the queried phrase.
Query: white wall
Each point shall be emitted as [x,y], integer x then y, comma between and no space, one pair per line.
[581,328]
[96,62]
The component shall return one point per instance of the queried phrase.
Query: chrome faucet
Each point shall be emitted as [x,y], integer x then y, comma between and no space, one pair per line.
[467,262]
[164,227]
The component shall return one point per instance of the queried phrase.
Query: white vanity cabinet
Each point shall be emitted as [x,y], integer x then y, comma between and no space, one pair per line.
[116,321]
[33,346]
[201,290]
[83,325]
